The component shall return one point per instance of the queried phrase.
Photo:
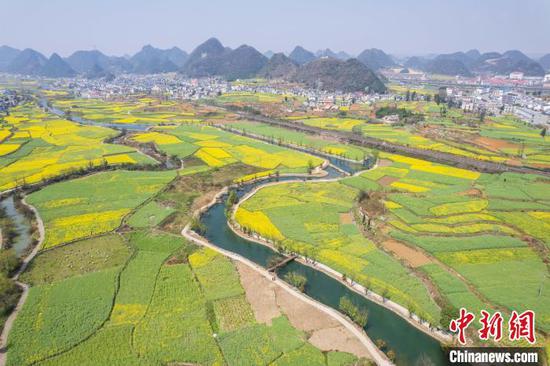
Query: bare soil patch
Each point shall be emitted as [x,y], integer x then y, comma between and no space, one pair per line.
[514,161]
[387,180]
[473,192]
[384,162]
[269,301]
[540,166]
[346,218]
[338,339]
[203,200]
[260,293]
[493,144]
[413,257]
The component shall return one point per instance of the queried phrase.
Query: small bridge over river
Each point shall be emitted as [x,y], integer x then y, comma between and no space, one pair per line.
[282,263]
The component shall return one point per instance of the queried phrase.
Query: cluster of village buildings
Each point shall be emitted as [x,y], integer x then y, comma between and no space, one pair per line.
[9,98]
[533,107]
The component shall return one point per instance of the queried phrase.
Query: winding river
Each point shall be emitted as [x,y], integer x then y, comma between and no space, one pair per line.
[411,345]
[22,225]
[117,126]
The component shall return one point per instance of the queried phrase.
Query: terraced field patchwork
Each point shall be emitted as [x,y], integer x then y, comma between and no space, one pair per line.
[94,204]
[217,148]
[85,256]
[454,217]
[454,290]
[204,295]
[524,278]
[217,275]
[475,224]
[435,244]
[344,124]
[161,339]
[149,215]
[233,313]
[134,110]
[308,217]
[301,139]
[108,346]
[58,316]
[46,146]
[529,223]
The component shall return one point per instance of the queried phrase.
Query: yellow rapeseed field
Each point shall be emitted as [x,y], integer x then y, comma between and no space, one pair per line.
[341,260]
[258,222]
[57,147]
[541,215]
[201,258]
[426,166]
[4,133]
[119,159]
[447,170]
[248,177]
[216,152]
[209,159]
[6,149]
[409,187]
[69,228]
[157,138]
[212,143]
[459,207]
[487,256]
[126,120]
[63,202]
[392,205]
[127,313]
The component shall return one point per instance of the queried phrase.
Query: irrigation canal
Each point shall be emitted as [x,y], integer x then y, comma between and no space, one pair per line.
[412,346]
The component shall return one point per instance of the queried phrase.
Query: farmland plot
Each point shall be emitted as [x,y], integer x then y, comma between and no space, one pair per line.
[94,204]
[475,224]
[44,147]
[217,148]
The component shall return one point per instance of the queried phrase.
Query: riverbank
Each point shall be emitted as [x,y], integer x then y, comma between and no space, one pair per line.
[368,294]
[375,354]
[24,287]
[217,201]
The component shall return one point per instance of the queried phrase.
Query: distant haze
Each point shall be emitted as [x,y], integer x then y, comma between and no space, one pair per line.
[402,27]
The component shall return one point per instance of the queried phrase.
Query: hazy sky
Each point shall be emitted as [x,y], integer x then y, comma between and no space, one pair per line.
[397,26]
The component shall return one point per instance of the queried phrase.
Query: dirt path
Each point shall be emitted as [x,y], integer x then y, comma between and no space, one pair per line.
[11,319]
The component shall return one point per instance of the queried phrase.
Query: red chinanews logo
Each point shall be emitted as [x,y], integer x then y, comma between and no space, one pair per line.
[520,326]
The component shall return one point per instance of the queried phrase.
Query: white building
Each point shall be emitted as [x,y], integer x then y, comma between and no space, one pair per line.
[516,75]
